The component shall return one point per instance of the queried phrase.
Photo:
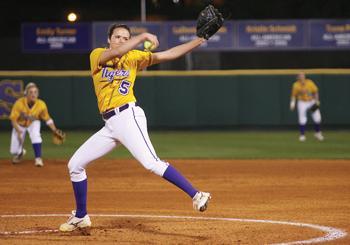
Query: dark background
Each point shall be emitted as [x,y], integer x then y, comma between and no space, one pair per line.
[13,13]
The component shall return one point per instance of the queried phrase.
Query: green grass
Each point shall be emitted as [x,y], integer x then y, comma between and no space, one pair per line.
[210,144]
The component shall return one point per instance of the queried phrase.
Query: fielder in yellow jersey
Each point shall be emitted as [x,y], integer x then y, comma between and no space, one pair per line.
[305,92]
[25,116]
[113,72]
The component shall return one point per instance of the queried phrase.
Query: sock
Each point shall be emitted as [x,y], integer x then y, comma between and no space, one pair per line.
[37,149]
[80,193]
[173,176]
[302,129]
[317,127]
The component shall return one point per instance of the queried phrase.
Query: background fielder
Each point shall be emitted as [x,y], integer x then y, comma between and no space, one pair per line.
[25,116]
[114,72]
[305,92]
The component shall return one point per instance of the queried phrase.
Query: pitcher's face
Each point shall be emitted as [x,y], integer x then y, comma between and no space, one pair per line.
[118,37]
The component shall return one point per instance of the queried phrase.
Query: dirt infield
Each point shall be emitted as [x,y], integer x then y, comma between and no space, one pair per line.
[253,192]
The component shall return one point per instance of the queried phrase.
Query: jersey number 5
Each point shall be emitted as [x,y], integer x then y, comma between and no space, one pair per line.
[124,87]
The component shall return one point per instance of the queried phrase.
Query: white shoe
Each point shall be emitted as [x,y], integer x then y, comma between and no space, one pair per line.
[39,162]
[319,136]
[200,201]
[18,158]
[74,223]
[302,138]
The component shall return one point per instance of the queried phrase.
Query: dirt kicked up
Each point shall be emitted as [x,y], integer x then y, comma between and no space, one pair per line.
[254,202]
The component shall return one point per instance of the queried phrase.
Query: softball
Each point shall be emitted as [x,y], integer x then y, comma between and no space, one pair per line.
[149,46]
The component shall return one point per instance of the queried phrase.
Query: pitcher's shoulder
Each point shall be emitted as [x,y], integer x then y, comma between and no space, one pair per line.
[96,52]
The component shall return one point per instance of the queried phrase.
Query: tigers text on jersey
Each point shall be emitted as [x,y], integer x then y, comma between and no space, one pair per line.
[114,81]
[24,116]
[304,92]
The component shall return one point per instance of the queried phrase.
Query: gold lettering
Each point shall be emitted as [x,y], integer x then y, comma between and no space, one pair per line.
[338,28]
[45,31]
[271,28]
[283,28]
[66,31]
[138,30]
[256,29]
[184,30]
[223,29]
[180,30]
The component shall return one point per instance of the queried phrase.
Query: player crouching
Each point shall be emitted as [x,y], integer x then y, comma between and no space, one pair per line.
[25,116]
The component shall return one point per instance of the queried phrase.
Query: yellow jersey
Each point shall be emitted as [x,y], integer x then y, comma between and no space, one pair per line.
[25,115]
[304,92]
[114,82]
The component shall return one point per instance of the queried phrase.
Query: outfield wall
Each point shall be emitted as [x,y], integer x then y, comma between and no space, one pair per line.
[195,98]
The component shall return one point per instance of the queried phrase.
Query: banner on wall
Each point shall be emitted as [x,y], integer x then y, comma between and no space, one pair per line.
[271,34]
[234,35]
[330,34]
[56,37]
[181,32]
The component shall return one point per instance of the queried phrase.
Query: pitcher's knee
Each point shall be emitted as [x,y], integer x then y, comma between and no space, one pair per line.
[157,166]
[76,170]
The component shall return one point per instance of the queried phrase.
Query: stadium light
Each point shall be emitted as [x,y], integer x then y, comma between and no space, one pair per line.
[72,17]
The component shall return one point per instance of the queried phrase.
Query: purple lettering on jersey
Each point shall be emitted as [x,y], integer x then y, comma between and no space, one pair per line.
[27,117]
[124,87]
[113,73]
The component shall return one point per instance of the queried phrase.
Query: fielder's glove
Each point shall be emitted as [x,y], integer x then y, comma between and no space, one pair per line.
[315,106]
[58,137]
[209,22]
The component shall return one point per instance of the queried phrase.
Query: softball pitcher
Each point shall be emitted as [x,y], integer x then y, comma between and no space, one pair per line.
[114,71]
[305,92]
[25,116]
